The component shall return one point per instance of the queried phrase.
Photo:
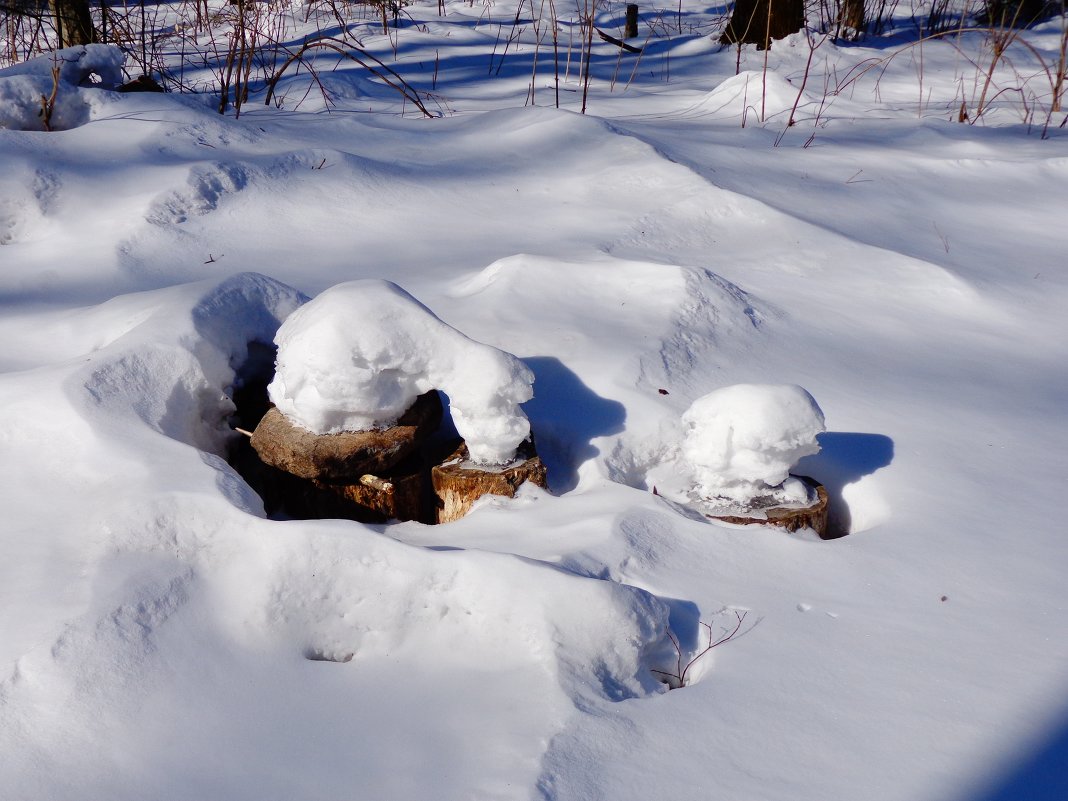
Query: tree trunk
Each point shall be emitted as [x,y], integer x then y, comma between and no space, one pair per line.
[852,16]
[760,21]
[73,23]
[630,27]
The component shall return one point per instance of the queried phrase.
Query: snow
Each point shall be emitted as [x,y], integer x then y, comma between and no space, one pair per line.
[358,356]
[161,637]
[740,442]
[23,85]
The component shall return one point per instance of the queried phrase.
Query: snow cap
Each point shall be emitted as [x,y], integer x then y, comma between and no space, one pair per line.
[740,440]
[357,356]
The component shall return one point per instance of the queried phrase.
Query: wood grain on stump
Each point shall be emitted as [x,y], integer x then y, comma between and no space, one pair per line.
[813,516]
[344,457]
[459,483]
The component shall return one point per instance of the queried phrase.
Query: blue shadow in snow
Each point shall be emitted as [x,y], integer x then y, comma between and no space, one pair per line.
[1041,775]
[844,458]
[565,416]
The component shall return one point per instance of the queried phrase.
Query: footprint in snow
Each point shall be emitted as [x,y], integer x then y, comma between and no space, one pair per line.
[205,189]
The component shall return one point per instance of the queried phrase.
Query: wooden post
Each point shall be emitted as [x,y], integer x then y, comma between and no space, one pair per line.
[630,28]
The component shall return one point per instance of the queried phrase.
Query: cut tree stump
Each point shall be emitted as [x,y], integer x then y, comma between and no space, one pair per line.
[458,483]
[813,516]
[345,457]
[370,476]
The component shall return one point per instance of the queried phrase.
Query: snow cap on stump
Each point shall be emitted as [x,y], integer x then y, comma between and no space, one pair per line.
[356,357]
[740,440]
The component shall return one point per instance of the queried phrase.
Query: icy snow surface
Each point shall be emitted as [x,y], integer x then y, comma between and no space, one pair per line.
[160,638]
[358,356]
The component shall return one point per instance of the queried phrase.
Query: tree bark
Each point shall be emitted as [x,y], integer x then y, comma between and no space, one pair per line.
[343,458]
[760,21]
[74,25]
[630,27]
[458,485]
[852,16]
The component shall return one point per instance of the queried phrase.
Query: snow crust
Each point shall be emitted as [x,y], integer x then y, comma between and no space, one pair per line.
[23,85]
[359,354]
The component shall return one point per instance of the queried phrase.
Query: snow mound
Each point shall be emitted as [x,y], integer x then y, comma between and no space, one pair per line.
[741,440]
[23,86]
[170,598]
[357,356]
[169,356]
[753,94]
[664,319]
[736,446]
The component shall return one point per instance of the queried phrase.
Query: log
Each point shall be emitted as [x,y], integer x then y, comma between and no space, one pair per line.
[458,483]
[371,499]
[402,495]
[617,42]
[814,516]
[343,458]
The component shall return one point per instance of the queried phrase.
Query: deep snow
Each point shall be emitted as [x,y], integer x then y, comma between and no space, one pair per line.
[162,639]
[738,444]
[358,356]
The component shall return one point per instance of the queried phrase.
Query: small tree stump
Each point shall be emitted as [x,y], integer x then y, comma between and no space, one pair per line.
[459,483]
[343,458]
[813,516]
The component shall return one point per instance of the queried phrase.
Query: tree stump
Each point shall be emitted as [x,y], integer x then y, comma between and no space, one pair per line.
[345,457]
[369,476]
[458,483]
[813,516]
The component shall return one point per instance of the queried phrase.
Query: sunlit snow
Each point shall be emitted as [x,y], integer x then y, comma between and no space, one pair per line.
[898,251]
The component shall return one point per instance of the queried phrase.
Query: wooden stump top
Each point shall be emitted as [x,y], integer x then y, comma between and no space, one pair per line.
[458,483]
[342,458]
[813,516]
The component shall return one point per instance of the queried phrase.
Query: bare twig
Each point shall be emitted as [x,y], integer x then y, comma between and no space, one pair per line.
[343,49]
[678,678]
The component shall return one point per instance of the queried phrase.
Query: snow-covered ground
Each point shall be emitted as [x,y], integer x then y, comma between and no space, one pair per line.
[160,638]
